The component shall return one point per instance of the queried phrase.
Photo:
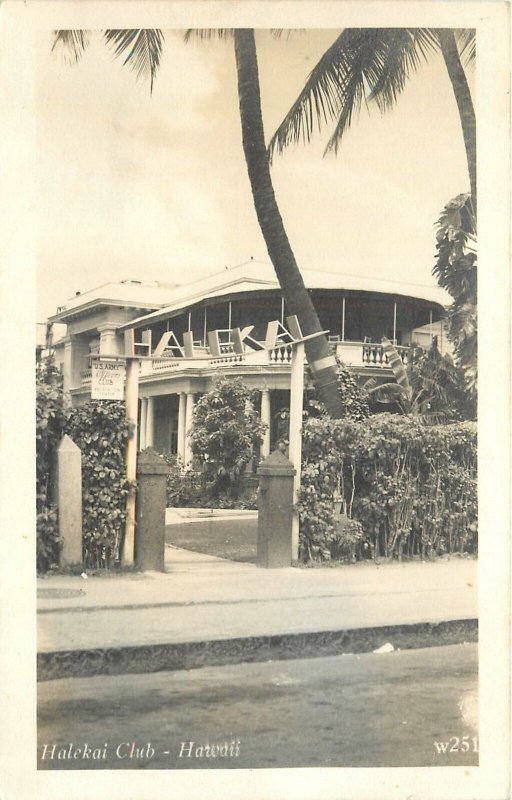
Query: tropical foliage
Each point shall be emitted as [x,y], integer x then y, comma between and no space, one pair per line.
[226,435]
[430,387]
[372,66]
[456,271]
[411,488]
[188,488]
[354,401]
[100,430]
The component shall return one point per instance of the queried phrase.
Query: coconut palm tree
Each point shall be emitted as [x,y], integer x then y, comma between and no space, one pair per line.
[373,65]
[142,50]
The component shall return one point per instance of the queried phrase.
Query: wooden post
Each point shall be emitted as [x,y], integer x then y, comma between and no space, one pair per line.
[132,399]
[295,446]
[189,416]
[266,419]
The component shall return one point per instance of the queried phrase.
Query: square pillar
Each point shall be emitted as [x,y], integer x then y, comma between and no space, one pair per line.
[76,352]
[275,512]
[151,505]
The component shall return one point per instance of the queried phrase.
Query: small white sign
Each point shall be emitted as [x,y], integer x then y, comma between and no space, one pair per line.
[108,379]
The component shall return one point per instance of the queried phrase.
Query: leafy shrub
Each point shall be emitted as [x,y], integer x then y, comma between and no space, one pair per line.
[192,489]
[48,541]
[100,429]
[412,488]
[348,537]
[185,489]
[226,436]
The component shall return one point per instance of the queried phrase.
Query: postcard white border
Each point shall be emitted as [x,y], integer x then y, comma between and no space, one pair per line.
[18,775]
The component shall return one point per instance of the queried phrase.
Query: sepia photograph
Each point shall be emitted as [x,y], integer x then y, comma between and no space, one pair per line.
[268,496]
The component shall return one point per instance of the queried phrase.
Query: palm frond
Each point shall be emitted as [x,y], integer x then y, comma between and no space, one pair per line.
[207,34]
[319,97]
[71,43]
[466,42]
[403,50]
[142,49]
[362,65]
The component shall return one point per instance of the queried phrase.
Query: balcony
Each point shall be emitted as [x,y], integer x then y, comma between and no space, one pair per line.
[360,355]
[86,376]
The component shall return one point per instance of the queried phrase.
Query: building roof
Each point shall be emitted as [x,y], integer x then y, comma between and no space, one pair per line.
[260,276]
[129,293]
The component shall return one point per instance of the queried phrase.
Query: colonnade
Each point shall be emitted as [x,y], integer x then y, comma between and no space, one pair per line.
[185,416]
[147,425]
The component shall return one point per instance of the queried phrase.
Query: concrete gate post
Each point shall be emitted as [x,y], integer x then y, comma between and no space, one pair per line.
[68,496]
[151,504]
[275,511]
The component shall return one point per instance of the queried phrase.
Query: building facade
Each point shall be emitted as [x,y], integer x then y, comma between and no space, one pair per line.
[234,323]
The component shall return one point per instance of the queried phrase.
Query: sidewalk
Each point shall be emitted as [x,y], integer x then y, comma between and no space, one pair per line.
[209,610]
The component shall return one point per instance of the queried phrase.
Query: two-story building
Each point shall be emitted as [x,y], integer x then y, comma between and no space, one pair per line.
[225,323]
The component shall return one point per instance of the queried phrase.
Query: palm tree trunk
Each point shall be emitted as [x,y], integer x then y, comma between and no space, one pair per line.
[462,94]
[298,301]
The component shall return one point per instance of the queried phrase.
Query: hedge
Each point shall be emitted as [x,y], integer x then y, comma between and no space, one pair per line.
[100,430]
[407,489]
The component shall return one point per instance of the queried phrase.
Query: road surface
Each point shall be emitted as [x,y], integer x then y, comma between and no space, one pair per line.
[399,709]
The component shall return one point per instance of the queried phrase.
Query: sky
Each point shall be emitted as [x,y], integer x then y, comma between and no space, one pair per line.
[154,186]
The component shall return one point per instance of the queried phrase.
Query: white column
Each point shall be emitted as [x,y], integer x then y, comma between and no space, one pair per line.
[343,320]
[394,323]
[295,448]
[150,422]
[181,426]
[265,418]
[188,426]
[143,423]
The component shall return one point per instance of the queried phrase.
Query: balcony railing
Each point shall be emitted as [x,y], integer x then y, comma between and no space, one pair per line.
[354,354]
